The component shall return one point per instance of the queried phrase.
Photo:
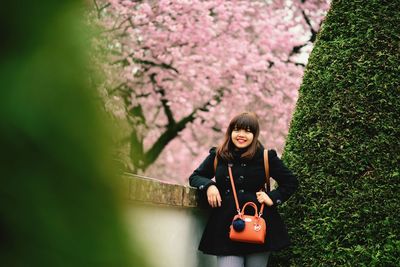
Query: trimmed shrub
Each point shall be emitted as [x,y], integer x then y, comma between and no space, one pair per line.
[344,142]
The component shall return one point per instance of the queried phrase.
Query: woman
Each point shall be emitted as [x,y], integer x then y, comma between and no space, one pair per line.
[242,149]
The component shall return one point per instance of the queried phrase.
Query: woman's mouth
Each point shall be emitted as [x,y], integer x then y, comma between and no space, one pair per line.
[241,141]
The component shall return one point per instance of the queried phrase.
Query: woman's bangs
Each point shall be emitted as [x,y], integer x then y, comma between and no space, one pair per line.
[246,122]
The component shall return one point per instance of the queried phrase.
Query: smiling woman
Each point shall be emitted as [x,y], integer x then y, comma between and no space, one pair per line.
[242,150]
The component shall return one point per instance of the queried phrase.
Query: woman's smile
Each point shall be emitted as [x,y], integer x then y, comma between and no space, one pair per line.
[241,140]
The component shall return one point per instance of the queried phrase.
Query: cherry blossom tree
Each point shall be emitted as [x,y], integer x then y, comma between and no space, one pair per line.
[183,68]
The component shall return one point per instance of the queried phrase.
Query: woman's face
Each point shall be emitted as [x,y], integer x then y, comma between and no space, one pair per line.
[242,138]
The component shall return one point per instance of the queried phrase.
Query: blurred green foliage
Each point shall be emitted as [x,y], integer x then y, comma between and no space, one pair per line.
[344,142]
[59,202]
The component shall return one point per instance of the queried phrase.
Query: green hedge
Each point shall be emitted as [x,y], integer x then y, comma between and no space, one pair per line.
[344,142]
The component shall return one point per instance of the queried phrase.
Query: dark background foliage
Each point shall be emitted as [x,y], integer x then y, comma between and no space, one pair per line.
[59,204]
[344,142]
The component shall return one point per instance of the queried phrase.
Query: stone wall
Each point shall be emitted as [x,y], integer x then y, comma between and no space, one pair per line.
[167,220]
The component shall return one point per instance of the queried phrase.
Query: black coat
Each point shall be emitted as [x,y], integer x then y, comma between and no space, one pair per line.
[249,177]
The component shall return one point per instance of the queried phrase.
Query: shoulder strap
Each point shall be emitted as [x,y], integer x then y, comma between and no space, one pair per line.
[233,189]
[267,180]
[266,167]
[215,163]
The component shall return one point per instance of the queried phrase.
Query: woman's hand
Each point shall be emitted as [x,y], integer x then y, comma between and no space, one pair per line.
[262,197]
[213,196]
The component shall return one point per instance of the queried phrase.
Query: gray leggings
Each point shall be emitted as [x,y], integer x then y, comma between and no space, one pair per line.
[250,260]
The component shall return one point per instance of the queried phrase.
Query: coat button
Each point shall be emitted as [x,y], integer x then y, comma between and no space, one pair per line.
[243,164]
[227,191]
[278,201]
[201,187]
[241,191]
[227,178]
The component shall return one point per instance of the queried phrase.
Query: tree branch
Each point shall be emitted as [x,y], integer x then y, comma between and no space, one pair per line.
[313,32]
[125,62]
[99,9]
[164,102]
[312,38]
[172,131]
[165,138]
[217,98]
[117,88]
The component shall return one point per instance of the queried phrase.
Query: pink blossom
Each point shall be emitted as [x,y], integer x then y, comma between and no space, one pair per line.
[221,56]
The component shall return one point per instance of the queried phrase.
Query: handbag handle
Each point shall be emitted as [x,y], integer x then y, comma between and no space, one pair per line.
[250,204]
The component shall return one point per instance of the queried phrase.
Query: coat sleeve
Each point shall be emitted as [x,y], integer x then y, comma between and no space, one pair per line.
[201,177]
[287,181]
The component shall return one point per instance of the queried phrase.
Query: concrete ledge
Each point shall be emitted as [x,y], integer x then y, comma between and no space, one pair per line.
[177,221]
[152,191]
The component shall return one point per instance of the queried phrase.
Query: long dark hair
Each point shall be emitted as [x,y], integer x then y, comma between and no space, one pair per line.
[245,120]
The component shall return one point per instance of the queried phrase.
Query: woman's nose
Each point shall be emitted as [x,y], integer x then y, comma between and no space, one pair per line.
[241,133]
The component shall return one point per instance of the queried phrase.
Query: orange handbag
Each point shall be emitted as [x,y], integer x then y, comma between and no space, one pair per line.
[249,228]
[254,230]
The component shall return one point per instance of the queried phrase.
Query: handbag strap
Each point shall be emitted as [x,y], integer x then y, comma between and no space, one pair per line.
[233,188]
[266,166]
[215,164]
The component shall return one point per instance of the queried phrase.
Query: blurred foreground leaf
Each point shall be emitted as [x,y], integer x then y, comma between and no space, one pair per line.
[59,203]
